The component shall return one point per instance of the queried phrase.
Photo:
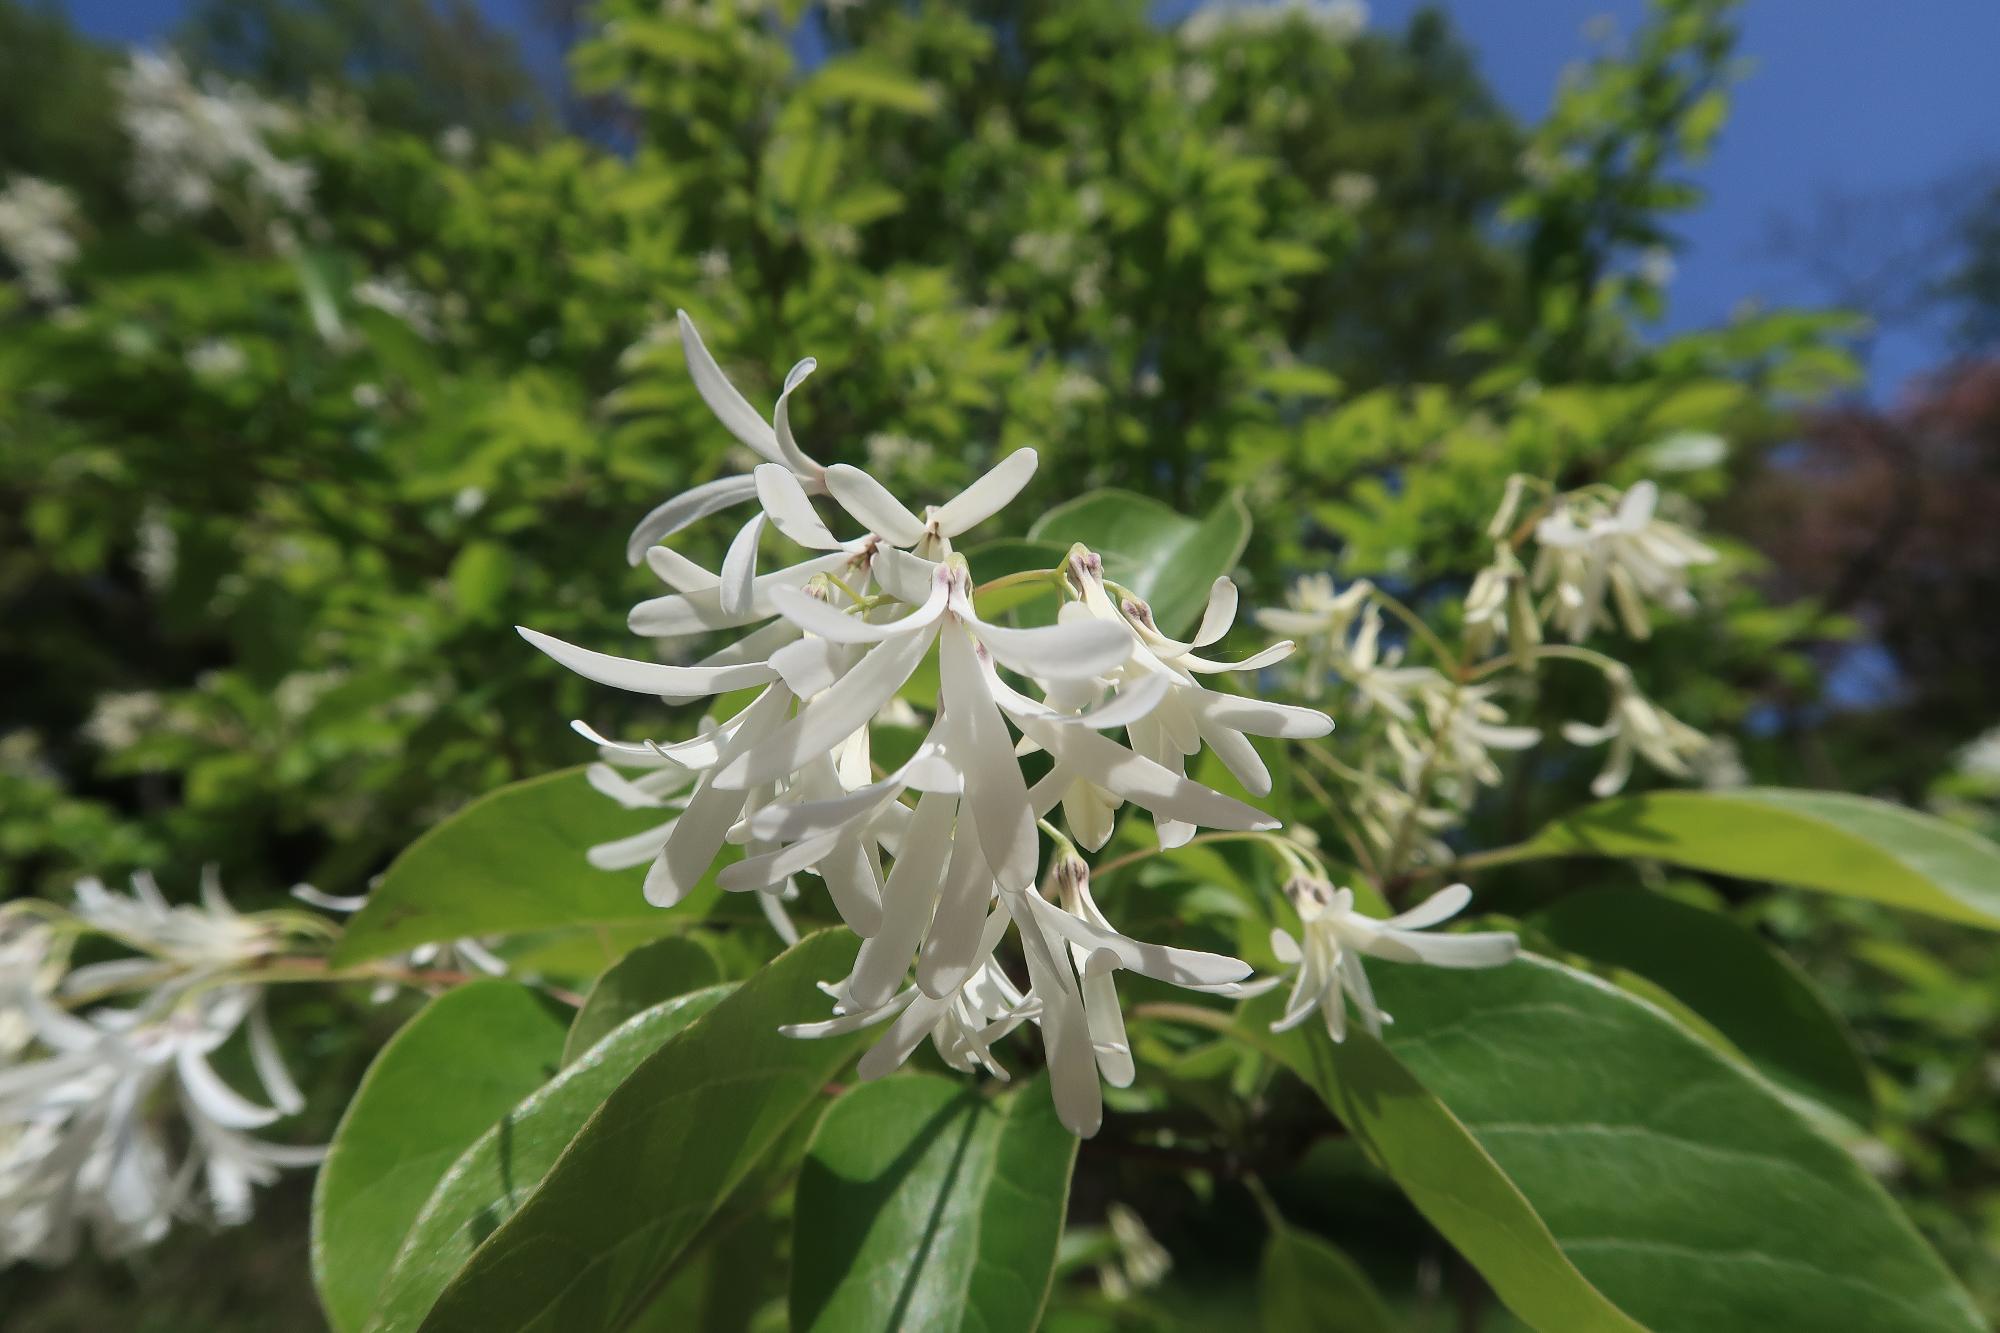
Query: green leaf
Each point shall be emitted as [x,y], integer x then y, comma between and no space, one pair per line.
[924,1204]
[491,1178]
[1605,1169]
[1307,1284]
[589,1248]
[480,577]
[1817,840]
[510,861]
[1750,994]
[641,979]
[869,81]
[1166,557]
[463,1062]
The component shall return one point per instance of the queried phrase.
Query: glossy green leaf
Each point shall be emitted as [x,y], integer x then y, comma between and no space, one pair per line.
[1166,557]
[1308,1286]
[1753,996]
[449,1075]
[510,861]
[589,1248]
[1604,1169]
[924,1204]
[1817,840]
[641,979]
[491,1179]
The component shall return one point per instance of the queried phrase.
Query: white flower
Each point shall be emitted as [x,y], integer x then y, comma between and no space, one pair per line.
[1353,190]
[831,644]
[115,1122]
[1187,715]
[1465,724]
[1336,936]
[1636,725]
[201,940]
[1589,546]
[770,440]
[190,145]
[396,296]
[1500,606]
[216,359]
[38,234]
[88,1149]
[1321,618]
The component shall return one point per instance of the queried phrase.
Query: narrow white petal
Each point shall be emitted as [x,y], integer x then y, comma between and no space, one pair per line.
[988,495]
[1285,947]
[1483,949]
[1065,1030]
[994,788]
[781,421]
[816,617]
[678,572]
[791,509]
[761,872]
[1180,967]
[730,407]
[215,1099]
[907,901]
[1446,903]
[871,505]
[1139,780]
[906,577]
[1257,661]
[853,880]
[904,1035]
[687,507]
[808,666]
[1220,613]
[739,568]
[1261,718]
[330,902]
[1060,652]
[697,835]
[649,677]
[951,946]
[1240,757]
[831,718]
[634,850]
[845,1023]
[270,1065]
[1106,1022]
[693,612]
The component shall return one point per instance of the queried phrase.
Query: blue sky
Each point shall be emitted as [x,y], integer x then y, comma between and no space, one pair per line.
[1848,98]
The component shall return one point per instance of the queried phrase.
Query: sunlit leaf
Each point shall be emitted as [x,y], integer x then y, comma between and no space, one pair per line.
[925,1204]
[1813,839]
[451,1073]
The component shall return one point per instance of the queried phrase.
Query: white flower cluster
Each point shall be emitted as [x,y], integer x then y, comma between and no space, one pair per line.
[1337,20]
[112,1118]
[1443,724]
[38,235]
[832,644]
[191,147]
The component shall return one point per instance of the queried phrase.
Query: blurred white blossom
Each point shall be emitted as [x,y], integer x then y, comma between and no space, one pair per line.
[38,222]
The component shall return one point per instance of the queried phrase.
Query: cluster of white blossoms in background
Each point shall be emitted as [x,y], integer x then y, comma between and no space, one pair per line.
[38,234]
[1337,20]
[195,147]
[933,861]
[113,1121]
[1442,723]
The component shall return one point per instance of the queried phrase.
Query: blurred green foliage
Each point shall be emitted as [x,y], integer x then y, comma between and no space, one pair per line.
[256,606]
